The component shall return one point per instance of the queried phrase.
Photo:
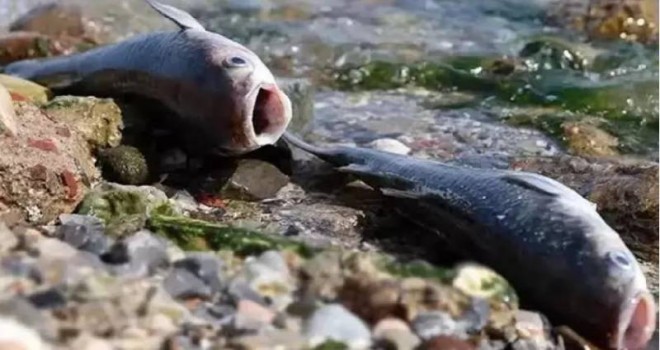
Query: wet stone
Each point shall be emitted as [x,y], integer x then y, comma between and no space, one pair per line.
[7,113]
[395,334]
[240,289]
[389,145]
[182,284]
[17,336]
[428,325]
[336,323]
[447,343]
[84,232]
[206,266]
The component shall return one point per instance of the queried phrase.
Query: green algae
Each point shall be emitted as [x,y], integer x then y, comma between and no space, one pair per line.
[193,234]
[125,165]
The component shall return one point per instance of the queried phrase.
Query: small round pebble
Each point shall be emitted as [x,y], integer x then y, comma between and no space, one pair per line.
[431,324]
[389,145]
[335,322]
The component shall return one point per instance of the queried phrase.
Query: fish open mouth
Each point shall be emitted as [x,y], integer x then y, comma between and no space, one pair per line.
[637,323]
[271,114]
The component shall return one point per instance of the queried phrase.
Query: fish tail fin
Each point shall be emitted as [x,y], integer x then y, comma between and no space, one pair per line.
[52,72]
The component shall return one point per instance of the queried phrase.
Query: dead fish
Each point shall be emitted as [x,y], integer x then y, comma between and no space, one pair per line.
[218,87]
[544,238]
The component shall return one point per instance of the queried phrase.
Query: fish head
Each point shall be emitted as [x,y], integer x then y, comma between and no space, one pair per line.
[616,299]
[255,111]
[634,311]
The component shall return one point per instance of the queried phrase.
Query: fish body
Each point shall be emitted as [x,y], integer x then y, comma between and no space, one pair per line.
[544,238]
[217,87]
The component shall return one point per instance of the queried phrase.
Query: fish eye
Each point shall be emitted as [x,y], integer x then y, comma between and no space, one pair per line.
[236,62]
[620,259]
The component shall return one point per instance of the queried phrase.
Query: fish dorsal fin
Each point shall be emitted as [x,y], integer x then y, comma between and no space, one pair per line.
[535,182]
[182,18]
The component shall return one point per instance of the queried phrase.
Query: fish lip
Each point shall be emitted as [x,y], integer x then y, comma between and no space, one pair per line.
[274,132]
[636,322]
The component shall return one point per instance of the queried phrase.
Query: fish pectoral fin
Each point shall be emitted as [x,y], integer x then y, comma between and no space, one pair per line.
[182,18]
[391,192]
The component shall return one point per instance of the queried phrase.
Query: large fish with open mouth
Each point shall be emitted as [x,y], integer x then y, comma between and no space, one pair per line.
[544,238]
[218,87]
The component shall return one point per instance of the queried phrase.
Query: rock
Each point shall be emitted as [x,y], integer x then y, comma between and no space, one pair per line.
[250,315]
[99,120]
[54,249]
[185,201]
[125,165]
[269,339]
[140,254]
[269,276]
[89,342]
[16,46]
[447,343]
[389,145]
[432,324]
[84,232]
[25,90]
[49,299]
[301,93]
[47,173]
[182,284]
[206,266]
[585,139]
[52,19]
[481,282]
[7,113]
[16,336]
[531,326]
[21,310]
[396,334]
[254,180]
[123,209]
[8,239]
[334,322]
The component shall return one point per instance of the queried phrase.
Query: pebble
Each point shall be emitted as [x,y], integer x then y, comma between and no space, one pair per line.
[21,310]
[206,266]
[182,284]
[90,342]
[254,180]
[395,333]
[54,249]
[16,336]
[428,325]
[447,343]
[335,322]
[146,253]
[390,145]
[8,239]
[84,232]
[49,299]
[7,113]
[250,315]
[185,201]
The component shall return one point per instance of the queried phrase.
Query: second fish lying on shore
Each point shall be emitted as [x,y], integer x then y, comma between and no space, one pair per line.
[544,238]
[219,89]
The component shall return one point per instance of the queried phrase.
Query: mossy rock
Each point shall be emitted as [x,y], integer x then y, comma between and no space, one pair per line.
[125,165]
[99,120]
[124,209]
